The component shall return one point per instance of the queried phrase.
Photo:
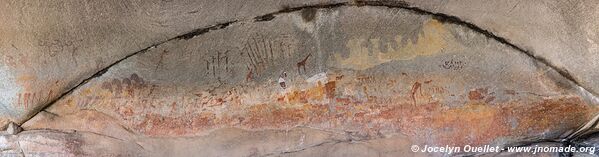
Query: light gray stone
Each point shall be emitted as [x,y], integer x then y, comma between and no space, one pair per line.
[13,129]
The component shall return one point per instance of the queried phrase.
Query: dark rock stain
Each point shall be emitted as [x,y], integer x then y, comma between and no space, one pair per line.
[266,17]
[309,14]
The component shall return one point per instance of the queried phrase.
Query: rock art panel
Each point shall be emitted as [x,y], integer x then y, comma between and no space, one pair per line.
[360,73]
[50,47]
[561,32]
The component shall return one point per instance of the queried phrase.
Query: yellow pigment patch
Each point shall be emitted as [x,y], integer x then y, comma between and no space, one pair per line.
[25,81]
[433,38]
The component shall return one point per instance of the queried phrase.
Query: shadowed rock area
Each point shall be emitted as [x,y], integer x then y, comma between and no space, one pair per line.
[296,78]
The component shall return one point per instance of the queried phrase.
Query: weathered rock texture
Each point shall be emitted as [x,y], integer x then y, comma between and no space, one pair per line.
[290,78]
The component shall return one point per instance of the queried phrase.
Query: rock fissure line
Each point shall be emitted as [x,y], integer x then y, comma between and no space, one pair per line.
[333,142]
[271,16]
[390,4]
[329,142]
[20,148]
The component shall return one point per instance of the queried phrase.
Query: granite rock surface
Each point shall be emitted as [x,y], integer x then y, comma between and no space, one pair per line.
[295,78]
